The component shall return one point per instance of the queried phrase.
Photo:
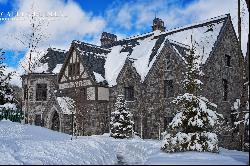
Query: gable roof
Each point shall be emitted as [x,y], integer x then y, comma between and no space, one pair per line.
[106,63]
[50,62]
[204,34]
[145,48]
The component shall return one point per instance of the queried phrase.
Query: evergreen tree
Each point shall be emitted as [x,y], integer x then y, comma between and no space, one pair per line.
[121,120]
[8,109]
[191,128]
[240,119]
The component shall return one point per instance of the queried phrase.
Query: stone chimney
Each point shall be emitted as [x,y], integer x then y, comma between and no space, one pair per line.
[107,39]
[158,24]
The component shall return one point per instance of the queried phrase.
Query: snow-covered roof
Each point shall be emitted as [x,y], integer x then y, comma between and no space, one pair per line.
[48,62]
[66,104]
[98,77]
[106,63]
[145,48]
[57,69]
[204,34]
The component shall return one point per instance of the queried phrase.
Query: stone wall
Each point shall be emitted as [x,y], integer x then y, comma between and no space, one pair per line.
[215,71]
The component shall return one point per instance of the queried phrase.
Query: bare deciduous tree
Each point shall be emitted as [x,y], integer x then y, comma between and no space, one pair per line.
[32,40]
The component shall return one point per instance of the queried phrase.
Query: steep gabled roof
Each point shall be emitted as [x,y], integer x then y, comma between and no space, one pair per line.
[51,60]
[93,57]
[106,63]
[204,35]
[145,48]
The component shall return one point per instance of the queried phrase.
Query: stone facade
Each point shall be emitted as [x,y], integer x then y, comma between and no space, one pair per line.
[83,78]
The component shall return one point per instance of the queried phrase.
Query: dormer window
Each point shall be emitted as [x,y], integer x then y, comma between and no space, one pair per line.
[228,60]
[129,93]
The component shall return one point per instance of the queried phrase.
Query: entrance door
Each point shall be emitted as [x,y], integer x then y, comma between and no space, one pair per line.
[55,122]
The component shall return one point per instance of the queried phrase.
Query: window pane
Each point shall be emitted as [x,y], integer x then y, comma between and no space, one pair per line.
[41,92]
[227,59]
[70,70]
[129,93]
[168,88]
[225,89]
[78,68]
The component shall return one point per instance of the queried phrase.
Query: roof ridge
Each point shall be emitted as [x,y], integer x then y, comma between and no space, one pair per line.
[138,36]
[194,25]
[57,49]
[89,44]
[178,43]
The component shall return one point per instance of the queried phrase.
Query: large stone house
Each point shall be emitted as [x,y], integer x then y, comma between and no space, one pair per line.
[147,69]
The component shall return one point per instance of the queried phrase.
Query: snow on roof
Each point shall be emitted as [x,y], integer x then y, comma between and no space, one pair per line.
[59,50]
[41,68]
[114,63]
[144,49]
[66,104]
[204,35]
[98,77]
[142,54]
[57,69]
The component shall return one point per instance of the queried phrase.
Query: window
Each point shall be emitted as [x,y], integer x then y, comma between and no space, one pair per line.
[74,69]
[168,88]
[83,94]
[77,68]
[168,64]
[227,60]
[41,92]
[225,89]
[129,93]
[167,120]
[25,92]
[70,70]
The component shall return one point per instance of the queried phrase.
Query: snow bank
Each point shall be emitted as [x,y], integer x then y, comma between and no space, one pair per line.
[26,144]
[197,158]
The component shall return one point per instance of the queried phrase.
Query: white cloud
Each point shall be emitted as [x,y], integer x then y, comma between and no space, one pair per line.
[15,77]
[61,32]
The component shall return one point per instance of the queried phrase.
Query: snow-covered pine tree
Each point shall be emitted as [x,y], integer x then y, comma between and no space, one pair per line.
[240,119]
[191,128]
[121,124]
[8,109]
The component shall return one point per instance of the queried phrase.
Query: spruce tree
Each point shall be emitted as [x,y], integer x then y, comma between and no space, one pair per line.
[121,120]
[192,127]
[8,109]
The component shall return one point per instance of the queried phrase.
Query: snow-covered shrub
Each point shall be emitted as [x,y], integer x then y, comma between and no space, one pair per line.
[121,120]
[240,114]
[8,109]
[191,128]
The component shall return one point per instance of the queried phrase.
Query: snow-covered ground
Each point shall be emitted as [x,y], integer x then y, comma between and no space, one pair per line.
[26,144]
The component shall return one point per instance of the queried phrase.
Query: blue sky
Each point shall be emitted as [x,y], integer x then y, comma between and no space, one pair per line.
[88,18]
